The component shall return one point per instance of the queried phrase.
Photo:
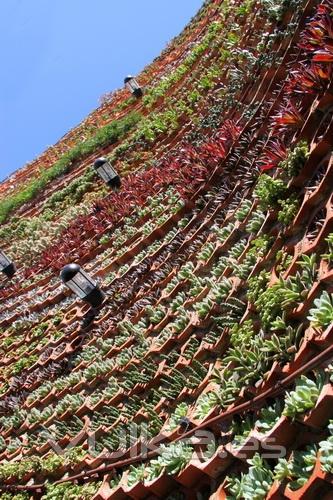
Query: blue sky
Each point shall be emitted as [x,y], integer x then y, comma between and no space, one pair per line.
[59,56]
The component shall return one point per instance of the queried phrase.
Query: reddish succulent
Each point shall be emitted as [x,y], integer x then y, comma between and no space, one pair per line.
[317,39]
[275,152]
[288,115]
[309,80]
[185,169]
[324,56]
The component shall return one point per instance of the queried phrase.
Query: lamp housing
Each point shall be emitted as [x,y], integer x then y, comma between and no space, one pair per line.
[7,267]
[109,174]
[132,85]
[77,280]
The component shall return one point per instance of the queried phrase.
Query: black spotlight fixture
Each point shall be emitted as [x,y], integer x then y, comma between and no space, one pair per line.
[132,85]
[106,171]
[7,267]
[77,280]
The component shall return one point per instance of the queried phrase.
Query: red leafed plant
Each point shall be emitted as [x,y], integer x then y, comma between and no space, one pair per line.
[229,131]
[324,55]
[317,39]
[214,151]
[287,116]
[309,80]
[186,169]
[275,152]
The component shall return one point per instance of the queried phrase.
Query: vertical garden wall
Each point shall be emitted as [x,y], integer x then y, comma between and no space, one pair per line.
[207,372]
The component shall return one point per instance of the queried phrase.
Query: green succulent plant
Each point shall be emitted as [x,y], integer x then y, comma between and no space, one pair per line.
[304,396]
[269,191]
[253,485]
[322,314]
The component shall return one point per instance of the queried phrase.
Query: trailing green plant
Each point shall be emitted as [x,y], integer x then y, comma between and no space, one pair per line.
[157,123]
[258,248]
[72,193]
[165,334]
[257,285]
[159,90]
[289,209]
[104,239]
[221,290]
[242,334]
[13,496]
[269,191]
[295,160]
[2,444]
[14,420]
[243,269]
[23,363]
[208,78]
[13,445]
[203,308]
[183,222]
[261,244]
[178,301]
[172,284]
[250,361]
[181,320]
[229,385]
